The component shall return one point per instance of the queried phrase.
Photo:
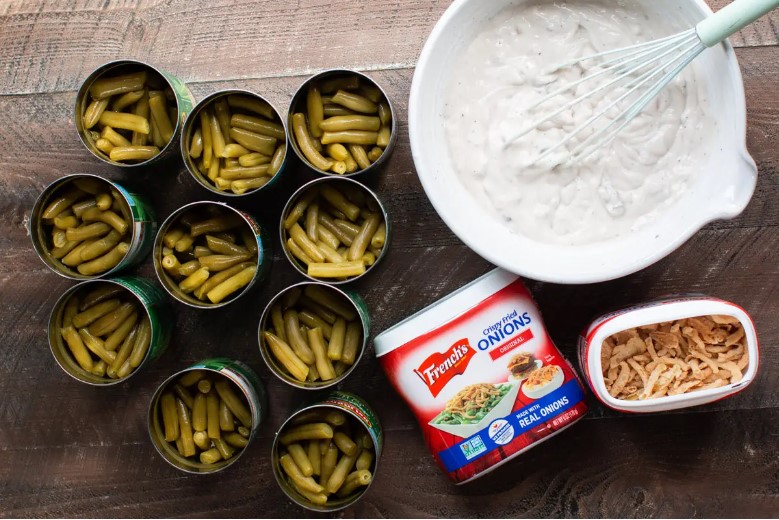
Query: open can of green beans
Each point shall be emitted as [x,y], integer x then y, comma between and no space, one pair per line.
[128,113]
[234,143]
[342,123]
[326,454]
[202,418]
[101,332]
[208,254]
[83,227]
[312,335]
[335,230]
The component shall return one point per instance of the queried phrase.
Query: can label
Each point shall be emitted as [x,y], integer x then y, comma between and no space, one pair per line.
[143,231]
[362,310]
[264,252]
[247,380]
[158,309]
[184,97]
[487,384]
[359,408]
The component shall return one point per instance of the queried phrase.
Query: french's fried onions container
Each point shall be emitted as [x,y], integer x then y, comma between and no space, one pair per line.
[482,375]
[669,354]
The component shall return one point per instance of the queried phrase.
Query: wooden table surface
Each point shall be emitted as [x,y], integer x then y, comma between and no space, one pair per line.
[68,449]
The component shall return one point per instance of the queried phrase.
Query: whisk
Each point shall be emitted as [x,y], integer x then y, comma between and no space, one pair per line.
[641,71]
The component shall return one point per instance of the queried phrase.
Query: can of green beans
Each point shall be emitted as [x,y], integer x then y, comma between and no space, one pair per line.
[335,230]
[246,137]
[347,109]
[208,254]
[326,454]
[101,332]
[202,418]
[77,239]
[295,352]
[129,113]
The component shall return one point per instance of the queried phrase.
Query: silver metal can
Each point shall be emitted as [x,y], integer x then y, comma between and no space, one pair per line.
[134,207]
[193,123]
[181,96]
[362,416]
[264,253]
[298,104]
[154,305]
[243,378]
[342,184]
[296,294]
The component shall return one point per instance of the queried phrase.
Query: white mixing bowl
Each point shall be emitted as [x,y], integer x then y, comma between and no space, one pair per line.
[721,190]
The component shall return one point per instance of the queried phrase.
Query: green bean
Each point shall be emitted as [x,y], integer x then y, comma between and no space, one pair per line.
[354,102]
[123,353]
[169,416]
[234,403]
[259,126]
[110,321]
[105,262]
[212,411]
[185,429]
[105,87]
[142,342]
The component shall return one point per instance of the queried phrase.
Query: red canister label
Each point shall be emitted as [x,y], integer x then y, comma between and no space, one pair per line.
[487,384]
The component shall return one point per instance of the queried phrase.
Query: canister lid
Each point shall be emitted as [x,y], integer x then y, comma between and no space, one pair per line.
[441,311]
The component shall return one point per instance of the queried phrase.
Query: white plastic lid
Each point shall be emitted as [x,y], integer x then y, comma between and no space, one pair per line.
[441,311]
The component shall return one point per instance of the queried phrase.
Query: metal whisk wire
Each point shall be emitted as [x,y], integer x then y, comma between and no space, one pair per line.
[664,58]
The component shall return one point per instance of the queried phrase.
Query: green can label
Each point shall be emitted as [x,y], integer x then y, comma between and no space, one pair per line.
[358,407]
[264,252]
[183,95]
[246,379]
[143,231]
[362,310]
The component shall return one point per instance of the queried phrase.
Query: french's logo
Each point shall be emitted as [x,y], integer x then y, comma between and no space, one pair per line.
[439,368]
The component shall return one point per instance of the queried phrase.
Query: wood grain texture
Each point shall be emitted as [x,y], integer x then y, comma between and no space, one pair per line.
[53,46]
[67,449]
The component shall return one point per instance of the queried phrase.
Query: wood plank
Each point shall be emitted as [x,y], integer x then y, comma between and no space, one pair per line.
[265,39]
[566,310]
[53,46]
[736,252]
[44,124]
[639,467]
[73,450]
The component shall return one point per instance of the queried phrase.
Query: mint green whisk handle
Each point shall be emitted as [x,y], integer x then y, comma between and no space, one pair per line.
[732,18]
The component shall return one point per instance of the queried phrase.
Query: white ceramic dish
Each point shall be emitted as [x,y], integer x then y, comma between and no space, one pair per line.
[502,409]
[721,191]
[551,386]
[602,328]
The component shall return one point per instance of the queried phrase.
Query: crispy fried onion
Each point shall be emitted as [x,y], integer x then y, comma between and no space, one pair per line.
[674,357]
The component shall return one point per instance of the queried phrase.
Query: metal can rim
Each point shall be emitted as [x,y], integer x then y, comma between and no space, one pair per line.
[162,276]
[187,130]
[300,500]
[37,240]
[153,406]
[84,88]
[62,301]
[298,193]
[295,101]
[266,357]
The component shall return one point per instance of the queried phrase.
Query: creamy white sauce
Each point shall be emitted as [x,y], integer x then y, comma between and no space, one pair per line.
[621,187]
